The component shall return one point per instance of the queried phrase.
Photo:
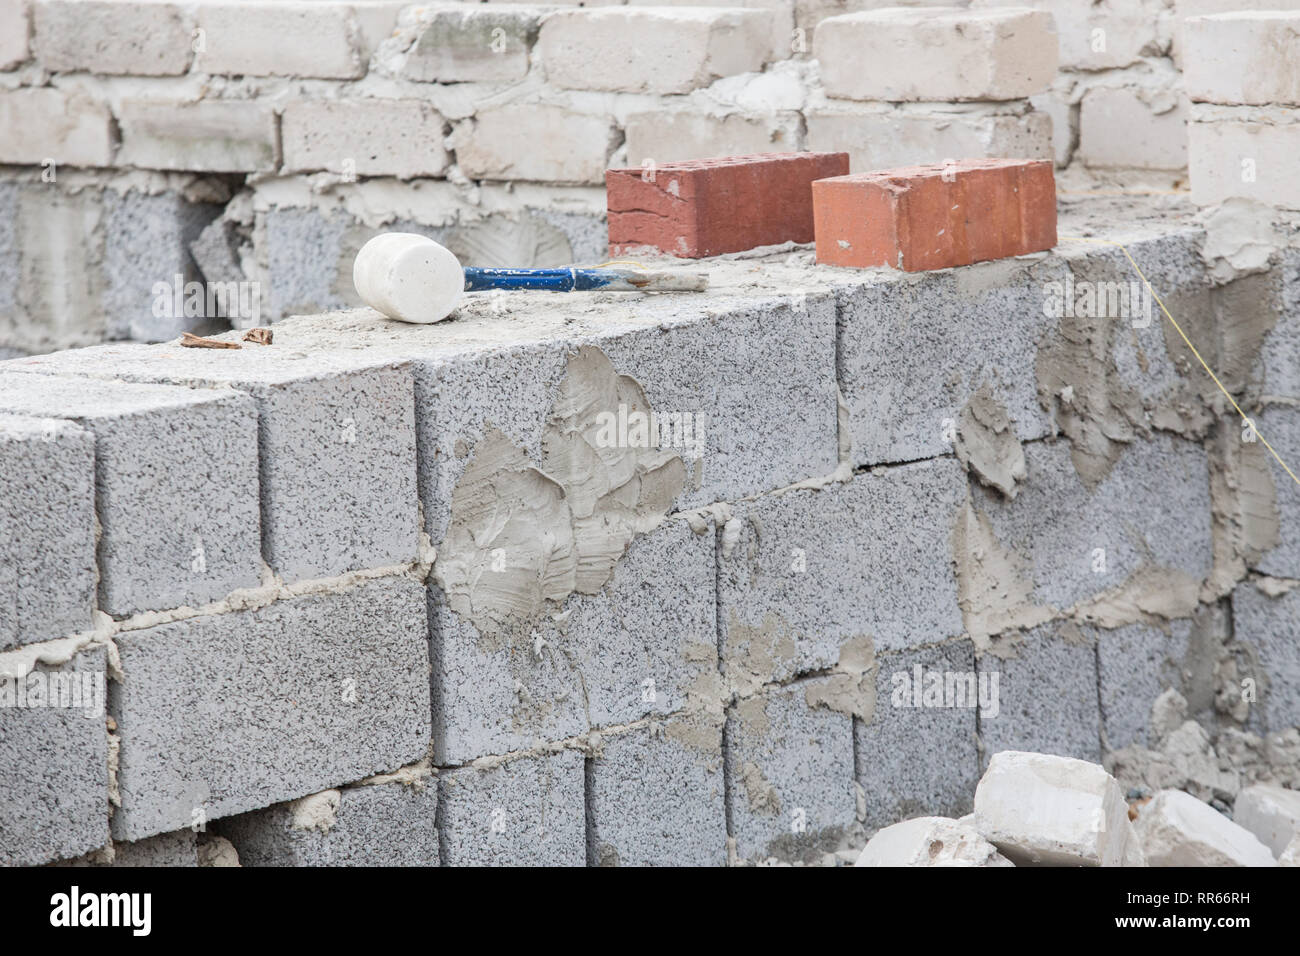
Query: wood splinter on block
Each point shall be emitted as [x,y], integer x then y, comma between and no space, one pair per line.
[918,218]
[191,341]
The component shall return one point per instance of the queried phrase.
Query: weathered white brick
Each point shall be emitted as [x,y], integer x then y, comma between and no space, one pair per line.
[112,36]
[291,37]
[785,41]
[1096,35]
[1244,152]
[1243,58]
[217,136]
[563,145]
[1176,829]
[667,136]
[367,137]
[1118,128]
[652,50]
[467,43]
[936,54]
[14,18]
[50,124]
[880,138]
[930,841]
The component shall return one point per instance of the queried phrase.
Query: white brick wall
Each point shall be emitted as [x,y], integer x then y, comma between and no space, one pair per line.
[14,25]
[1244,152]
[1243,58]
[1118,128]
[370,137]
[47,123]
[112,36]
[652,50]
[905,54]
[563,145]
[217,136]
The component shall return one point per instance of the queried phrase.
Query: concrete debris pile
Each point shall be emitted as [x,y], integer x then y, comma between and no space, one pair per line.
[1041,810]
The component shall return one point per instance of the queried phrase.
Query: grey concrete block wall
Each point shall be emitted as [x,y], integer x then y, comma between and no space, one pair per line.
[525,811]
[918,755]
[176,480]
[1135,665]
[47,529]
[53,761]
[336,436]
[1269,626]
[638,647]
[224,713]
[656,796]
[790,774]
[799,579]
[1047,695]
[390,824]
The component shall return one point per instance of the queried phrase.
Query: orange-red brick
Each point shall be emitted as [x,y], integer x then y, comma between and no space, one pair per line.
[710,207]
[931,217]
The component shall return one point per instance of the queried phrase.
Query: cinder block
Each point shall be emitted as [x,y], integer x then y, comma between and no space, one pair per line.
[176,480]
[178,849]
[473,44]
[918,754]
[656,796]
[790,771]
[330,40]
[522,811]
[715,206]
[214,136]
[53,760]
[45,125]
[1118,128]
[225,713]
[364,137]
[1269,625]
[1244,58]
[1096,36]
[790,594]
[914,351]
[565,146]
[675,50]
[1243,152]
[47,529]
[676,135]
[927,54]
[1120,536]
[1279,425]
[1046,695]
[937,216]
[146,249]
[1135,665]
[15,17]
[879,137]
[110,36]
[336,436]
[639,647]
[391,824]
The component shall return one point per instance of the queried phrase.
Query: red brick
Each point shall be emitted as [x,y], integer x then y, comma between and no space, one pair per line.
[709,207]
[931,217]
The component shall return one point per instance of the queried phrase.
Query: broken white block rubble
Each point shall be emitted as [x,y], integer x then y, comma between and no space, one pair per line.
[1271,813]
[1040,809]
[1291,855]
[930,841]
[1176,829]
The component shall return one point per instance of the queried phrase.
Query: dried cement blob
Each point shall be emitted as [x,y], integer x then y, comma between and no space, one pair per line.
[408,277]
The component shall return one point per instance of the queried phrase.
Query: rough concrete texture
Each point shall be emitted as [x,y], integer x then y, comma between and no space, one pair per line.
[215,136]
[47,529]
[390,824]
[1047,695]
[643,644]
[1264,489]
[226,713]
[918,753]
[1176,829]
[142,39]
[54,760]
[656,795]
[336,442]
[178,849]
[789,765]
[1135,664]
[1115,551]
[524,811]
[1271,813]
[176,485]
[458,45]
[1268,625]
[796,564]
[364,137]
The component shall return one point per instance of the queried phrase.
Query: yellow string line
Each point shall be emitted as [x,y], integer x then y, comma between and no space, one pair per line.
[1209,371]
